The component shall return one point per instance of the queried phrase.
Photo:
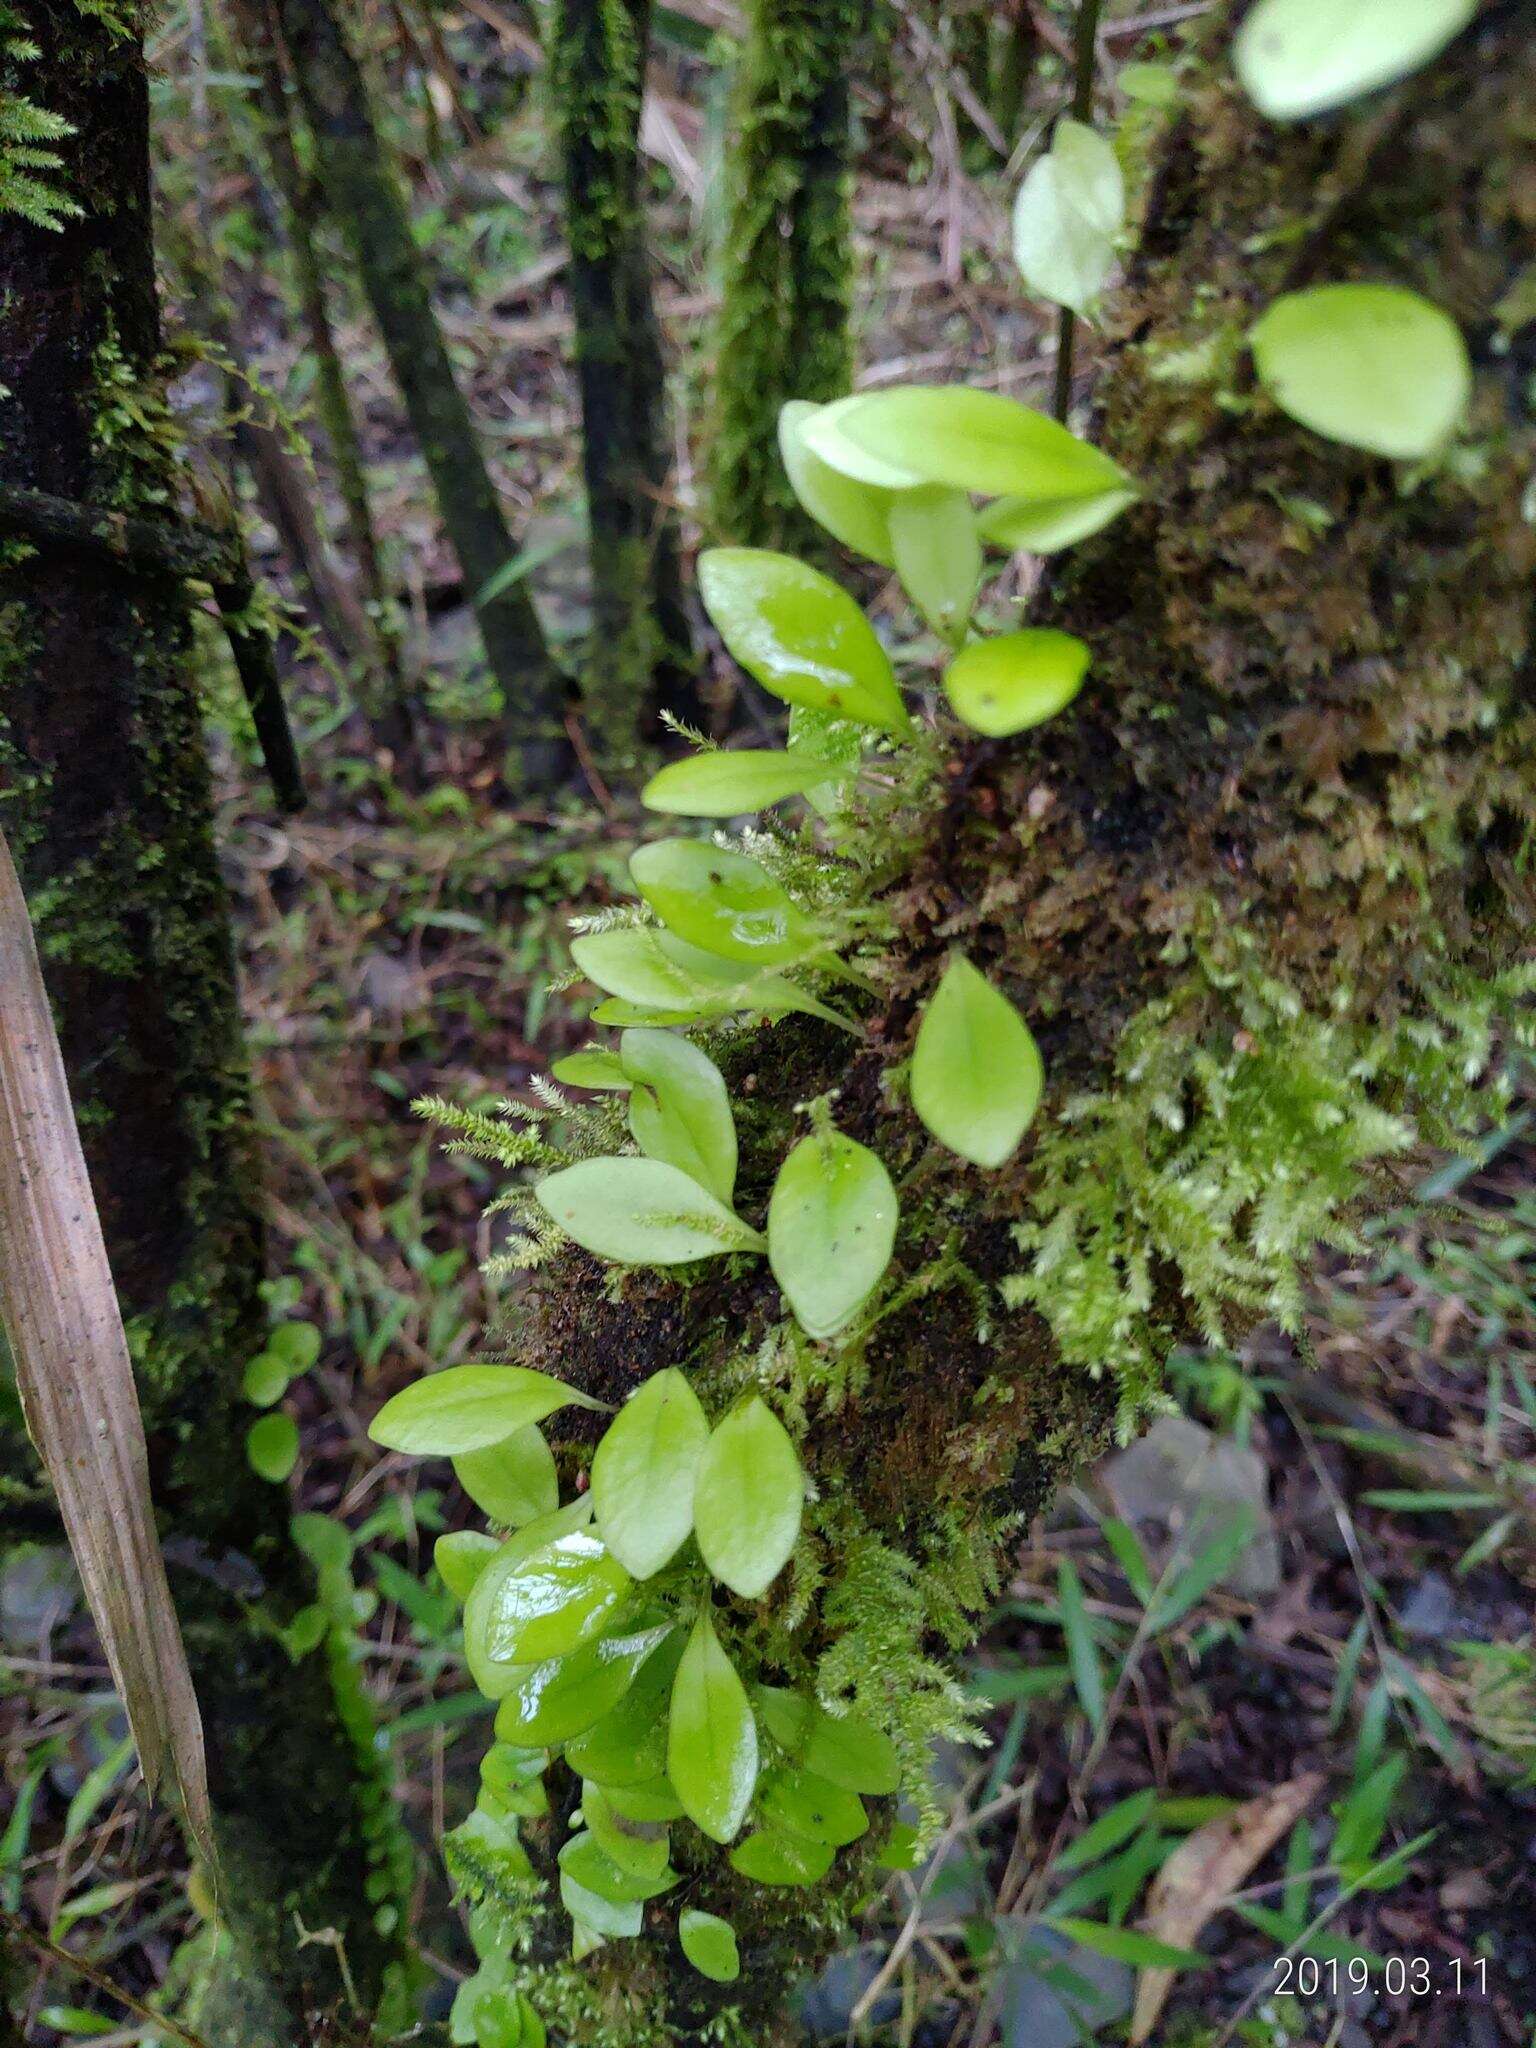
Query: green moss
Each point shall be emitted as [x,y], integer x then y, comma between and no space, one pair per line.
[786,267]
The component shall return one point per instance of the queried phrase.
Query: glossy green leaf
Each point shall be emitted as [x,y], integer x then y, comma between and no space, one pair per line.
[737,986]
[1041,526]
[532,1604]
[514,1481]
[853,512]
[628,1747]
[724,902]
[593,1067]
[800,635]
[638,1847]
[515,1777]
[265,1379]
[468,1408]
[654,1800]
[679,1111]
[272,1446]
[1070,208]
[843,1748]
[1371,365]
[619,1920]
[938,555]
[976,1072]
[1015,680]
[631,964]
[460,1558]
[1298,57]
[748,1497]
[584,1860]
[709,1943]
[642,1212]
[657,979]
[797,1802]
[711,1736]
[769,1857]
[725,784]
[643,1473]
[971,440]
[831,1226]
[552,1701]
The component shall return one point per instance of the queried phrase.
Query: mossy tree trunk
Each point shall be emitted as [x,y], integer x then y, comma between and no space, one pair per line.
[364,194]
[108,808]
[256,34]
[640,658]
[787,265]
[1254,892]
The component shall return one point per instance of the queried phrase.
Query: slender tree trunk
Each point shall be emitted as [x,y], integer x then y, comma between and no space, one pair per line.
[786,271]
[256,32]
[107,805]
[640,657]
[1255,891]
[364,195]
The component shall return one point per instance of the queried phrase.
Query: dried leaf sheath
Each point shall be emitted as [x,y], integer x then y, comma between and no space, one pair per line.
[73,1372]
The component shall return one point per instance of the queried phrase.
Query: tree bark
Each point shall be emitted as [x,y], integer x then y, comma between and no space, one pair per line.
[640,658]
[1253,891]
[364,194]
[108,807]
[787,265]
[256,34]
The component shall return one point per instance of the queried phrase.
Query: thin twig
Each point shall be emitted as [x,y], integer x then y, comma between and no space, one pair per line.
[1082,108]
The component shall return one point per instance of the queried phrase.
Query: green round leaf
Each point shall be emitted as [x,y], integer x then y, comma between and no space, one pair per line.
[711,1737]
[593,1067]
[709,1943]
[460,1558]
[976,1071]
[265,1379]
[803,638]
[723,902]
[723,785]
[1070,208]
[748,1498]
[831,1226]
[1371,365]
[296,1344]
[641,1212]
[530,1605]
[938,555]
[1298,57]
[1041,526]
[769,1857]
[1015,680]
[272,1446]
[638,1847]
[584,1859]
[799,1803]
[971,440]
[514,1481]
[653,1800]
[855,513]
[467,1408]
[619,1920]
[643,1473]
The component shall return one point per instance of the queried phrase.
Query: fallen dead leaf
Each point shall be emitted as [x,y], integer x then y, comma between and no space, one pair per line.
[1203,1873]
[75,1379]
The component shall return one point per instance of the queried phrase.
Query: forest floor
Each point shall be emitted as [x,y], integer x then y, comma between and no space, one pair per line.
[1291,1629]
